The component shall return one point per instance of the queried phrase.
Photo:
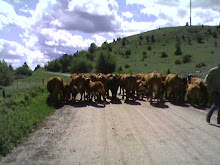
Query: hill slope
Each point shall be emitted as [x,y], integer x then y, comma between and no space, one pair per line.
[155,51]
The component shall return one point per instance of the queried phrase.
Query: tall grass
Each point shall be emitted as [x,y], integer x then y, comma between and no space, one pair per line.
[23,108]
[20,114]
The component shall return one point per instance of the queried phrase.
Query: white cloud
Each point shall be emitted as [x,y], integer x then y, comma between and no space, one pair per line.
[8,16]
[99,39]
[127,14]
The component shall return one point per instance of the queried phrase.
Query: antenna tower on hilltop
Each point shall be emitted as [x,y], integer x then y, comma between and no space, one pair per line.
[190,19]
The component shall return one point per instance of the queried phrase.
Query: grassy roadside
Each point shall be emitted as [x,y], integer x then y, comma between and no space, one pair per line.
[23,109]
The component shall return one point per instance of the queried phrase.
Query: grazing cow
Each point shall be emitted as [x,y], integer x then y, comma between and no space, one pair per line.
[80,82]
[55,87]
[70,90]
[113,84]
[173,87]
[95,88]
[154,86]
[130,86]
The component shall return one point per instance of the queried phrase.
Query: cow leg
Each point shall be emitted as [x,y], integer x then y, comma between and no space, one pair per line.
[133,95]
[151,98]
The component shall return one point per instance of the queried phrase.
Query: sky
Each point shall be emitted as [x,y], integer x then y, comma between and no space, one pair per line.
[37,31]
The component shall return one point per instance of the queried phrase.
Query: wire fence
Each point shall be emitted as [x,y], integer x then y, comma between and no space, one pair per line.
[19,84]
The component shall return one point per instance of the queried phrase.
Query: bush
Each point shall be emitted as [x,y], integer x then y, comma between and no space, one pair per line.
[177,62]
[24,70]
[144,55]
[127,66]
[81,66]
[123,42]
[167,71]
[149,48]
[163,55]
[105,64]
[186,58]
[128,52]
[6,74]
[215,35]
[201,64]
[141,37]
[199,39]
[120,69]
[148,38]
[152,38]
[178,51]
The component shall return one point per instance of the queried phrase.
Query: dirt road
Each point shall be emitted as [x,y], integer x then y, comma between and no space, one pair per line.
[133,133]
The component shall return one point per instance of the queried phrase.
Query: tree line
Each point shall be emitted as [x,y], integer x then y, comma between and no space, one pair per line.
[85,61]
[8,74]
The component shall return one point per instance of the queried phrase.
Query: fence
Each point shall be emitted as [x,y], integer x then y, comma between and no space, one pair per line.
[18,84]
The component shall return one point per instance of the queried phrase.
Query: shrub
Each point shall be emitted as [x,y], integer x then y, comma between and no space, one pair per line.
[120,69]
[178,51]
[163,55]
[186,58]
[149,48]
[24,70]
[199,39]
[152,38]
[148,38]
[141,37]
[81,66]
[144,56]
[127,66]
[177,62]
[6,74]
[214,35]
[128,52]
[201,64]
[167,71]
[216,44]
[123,42]
[105,64]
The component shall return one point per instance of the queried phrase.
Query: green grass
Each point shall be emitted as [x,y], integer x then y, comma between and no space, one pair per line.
[206,52]
[20,114]
[38,77]
[23,108]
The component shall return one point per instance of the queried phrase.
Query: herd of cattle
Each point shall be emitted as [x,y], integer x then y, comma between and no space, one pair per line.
[154,86]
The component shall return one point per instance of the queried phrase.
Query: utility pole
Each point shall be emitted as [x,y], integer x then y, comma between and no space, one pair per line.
[190,14]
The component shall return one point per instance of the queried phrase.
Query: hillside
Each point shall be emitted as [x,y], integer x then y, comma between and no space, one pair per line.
[154,50]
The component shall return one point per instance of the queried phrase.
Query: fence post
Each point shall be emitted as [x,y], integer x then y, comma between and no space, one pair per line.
[3,93]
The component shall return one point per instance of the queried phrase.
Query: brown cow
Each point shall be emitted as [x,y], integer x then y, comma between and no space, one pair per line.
[197,92]
[55,87]
[141,89]
[70,91]
[154,86]
[173,87]
[95,88]
[197,85]
[80,82]
[130,86]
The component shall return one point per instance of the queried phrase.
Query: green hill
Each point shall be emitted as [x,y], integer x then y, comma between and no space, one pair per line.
[184,50]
